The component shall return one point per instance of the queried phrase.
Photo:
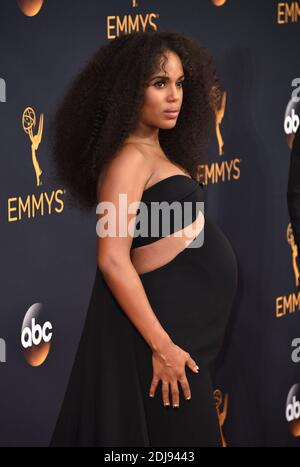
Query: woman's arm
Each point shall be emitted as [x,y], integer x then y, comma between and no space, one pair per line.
[127,174]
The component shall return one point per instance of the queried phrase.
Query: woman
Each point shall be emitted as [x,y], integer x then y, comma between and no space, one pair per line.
[137,122]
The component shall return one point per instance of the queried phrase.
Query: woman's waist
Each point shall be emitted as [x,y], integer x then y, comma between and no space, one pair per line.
[155,253]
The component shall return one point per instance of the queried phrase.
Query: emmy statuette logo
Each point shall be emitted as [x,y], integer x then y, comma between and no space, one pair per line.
[288,304]
[29,123]
[218,104]
[39,203]
[294,251]
[222,408]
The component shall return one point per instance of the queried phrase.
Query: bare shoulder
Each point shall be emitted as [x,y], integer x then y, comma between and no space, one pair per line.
[129,165]
[133,153]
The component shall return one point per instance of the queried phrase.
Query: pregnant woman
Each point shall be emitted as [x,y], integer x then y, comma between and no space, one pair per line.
[136,124]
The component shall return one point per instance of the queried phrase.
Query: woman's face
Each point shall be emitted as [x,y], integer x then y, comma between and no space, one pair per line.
[164,93]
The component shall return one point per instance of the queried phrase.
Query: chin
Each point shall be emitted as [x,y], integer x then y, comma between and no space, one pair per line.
[168,124]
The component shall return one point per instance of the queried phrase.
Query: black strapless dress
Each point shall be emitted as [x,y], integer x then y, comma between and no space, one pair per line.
[107,399]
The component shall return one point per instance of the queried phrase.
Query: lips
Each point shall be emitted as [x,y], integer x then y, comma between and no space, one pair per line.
[171,113]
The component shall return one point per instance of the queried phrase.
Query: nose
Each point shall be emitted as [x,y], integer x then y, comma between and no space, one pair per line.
[174,93]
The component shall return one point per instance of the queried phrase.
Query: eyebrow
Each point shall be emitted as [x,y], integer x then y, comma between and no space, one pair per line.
[164,77]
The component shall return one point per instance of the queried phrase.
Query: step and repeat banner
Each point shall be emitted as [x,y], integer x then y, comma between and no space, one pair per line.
[48,248]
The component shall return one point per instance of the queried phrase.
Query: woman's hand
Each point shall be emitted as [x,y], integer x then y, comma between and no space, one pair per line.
[169,367]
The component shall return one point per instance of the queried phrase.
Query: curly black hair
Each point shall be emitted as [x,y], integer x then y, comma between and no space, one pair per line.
[101,107]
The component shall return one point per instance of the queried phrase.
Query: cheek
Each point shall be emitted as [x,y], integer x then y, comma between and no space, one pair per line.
[153,101]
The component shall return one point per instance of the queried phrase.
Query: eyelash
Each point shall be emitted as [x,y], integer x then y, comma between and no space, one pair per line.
[158,82]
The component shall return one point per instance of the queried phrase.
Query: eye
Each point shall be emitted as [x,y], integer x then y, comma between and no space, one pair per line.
[159,82]
[163,82]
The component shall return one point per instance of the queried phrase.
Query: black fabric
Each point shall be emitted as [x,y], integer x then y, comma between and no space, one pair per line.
[168,191]
[107,399]
[293,193]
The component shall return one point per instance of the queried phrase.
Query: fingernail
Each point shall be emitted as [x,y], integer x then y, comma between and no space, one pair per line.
[151,395]
[188,398]
[197,368]
[176,406]
[167,404]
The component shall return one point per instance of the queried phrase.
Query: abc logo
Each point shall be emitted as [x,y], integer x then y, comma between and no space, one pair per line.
[30,7]
[291,118]
[292,411]
[291,123]
[36,336]
[219,2]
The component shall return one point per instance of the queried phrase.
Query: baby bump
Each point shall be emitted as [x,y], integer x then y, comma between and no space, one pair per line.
[192,295]
[220,258]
